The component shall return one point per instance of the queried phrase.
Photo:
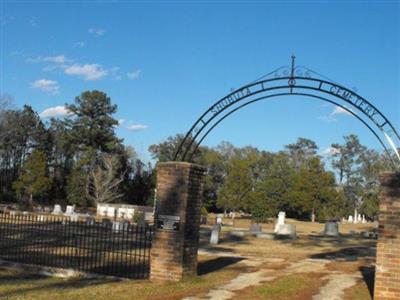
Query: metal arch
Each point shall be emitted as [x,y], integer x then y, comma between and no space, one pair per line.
[288,94]
[238,95]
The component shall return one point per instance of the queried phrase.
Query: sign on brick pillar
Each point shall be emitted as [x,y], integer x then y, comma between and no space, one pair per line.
[387,275]
[177,221]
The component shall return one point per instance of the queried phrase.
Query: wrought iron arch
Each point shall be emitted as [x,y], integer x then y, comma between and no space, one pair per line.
[297,82]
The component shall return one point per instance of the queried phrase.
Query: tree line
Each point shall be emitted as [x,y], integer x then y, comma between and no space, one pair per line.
[74,160]
[80,160]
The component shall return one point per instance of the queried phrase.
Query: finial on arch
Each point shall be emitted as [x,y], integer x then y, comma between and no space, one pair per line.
[293,65]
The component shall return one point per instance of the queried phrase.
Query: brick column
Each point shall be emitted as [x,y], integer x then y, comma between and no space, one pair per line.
[177,221]
[387,276]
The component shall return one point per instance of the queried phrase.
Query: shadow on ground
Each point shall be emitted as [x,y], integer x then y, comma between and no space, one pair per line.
[347,254]
[216,264]
[368,274]
[35,283]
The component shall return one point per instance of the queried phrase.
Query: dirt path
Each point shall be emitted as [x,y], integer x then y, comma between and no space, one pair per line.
[334,289]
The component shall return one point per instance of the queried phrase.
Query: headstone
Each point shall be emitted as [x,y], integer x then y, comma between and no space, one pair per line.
[281,221]
[110,212]
[57,210]
[350,219]
[148,217]
[359,218]
[130,213]
[331,229]
[101,210]
[344,220]
[363,219]
[116,226]
[74,217]
[255,228]
[125,225]
[219,219]
[25,213]
[69,210]
[237,233]
[215,233]
[121,212]
[286,231]
[355,219]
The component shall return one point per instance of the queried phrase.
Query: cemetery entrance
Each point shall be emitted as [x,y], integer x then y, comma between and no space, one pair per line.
[179,183]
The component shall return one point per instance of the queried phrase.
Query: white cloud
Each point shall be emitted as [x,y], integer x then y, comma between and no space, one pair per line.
[48,86]
[96,31]
[86,71]
[33,21]
[336,111]
[134,74]
[136,127]
[58,59]
[329,151]
[121,122]
[339,110]
[80,44]
[57,111]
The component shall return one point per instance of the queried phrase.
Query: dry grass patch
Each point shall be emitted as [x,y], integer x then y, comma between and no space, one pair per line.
[359,291]
[299,287]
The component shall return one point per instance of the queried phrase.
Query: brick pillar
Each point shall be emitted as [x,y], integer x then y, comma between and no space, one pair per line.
[177,221]
[387,276]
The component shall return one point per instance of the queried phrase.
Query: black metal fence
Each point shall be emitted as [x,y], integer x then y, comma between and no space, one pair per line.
[118,249]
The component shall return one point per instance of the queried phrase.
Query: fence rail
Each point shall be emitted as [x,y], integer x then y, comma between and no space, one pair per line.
[117,249]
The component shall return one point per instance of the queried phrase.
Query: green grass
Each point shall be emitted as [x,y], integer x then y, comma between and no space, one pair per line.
[285,286]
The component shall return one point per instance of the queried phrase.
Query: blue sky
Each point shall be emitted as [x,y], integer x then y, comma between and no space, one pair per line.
[164,63]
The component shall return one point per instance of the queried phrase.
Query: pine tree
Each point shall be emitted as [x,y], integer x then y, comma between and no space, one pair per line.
[33,179]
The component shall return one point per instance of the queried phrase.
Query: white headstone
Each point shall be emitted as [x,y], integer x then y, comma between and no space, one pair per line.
[69,210]
[281,221]
[57,210]
[219,219]
[101,210]
[363,219]
[130,213]
[74,217]
[286,231]
[116,226]
[350,219]
[355,219]
[110,212]
[215,232]
[359,218]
